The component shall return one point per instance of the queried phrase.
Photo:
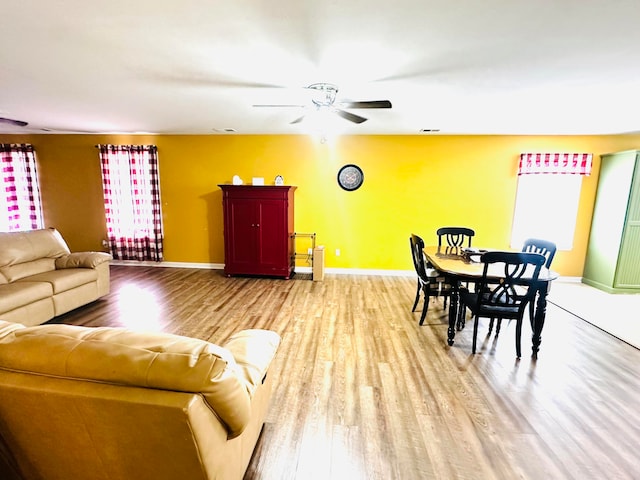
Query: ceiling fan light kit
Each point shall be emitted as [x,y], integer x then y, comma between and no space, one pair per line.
[326,96]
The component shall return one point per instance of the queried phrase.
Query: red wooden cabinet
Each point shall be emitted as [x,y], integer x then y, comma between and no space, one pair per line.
[258,230]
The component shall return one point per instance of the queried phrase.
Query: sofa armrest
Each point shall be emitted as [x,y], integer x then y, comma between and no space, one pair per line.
[82,260]
[253,351]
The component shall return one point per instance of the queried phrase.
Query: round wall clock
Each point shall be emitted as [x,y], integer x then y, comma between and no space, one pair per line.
[350,177]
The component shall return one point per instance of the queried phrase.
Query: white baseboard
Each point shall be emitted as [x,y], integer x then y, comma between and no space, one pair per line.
[570,279]
[366,271]
[134,263]
[361,271]
[336,271]
[220,266]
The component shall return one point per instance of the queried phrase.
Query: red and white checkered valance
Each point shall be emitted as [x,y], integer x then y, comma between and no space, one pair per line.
[563,163]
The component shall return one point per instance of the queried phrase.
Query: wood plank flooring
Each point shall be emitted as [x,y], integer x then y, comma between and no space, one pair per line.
[363,392]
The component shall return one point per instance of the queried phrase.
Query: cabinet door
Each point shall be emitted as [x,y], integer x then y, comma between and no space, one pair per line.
[243,236]
[273,242]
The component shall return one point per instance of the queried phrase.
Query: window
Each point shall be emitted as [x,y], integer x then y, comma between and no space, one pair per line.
[20,202]
[131,188]
[547,197]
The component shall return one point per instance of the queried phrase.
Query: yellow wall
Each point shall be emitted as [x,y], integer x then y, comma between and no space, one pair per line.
[412,184]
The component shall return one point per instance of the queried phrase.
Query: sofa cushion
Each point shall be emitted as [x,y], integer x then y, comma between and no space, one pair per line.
[16,295]
[20,247]
[23,270]
[120,356]
[63,280]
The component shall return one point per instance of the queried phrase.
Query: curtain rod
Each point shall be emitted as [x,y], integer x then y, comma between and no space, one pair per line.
[149,147]
[109,145]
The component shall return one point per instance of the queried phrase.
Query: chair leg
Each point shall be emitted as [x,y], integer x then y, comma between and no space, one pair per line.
[415,303]
[518,338]
[498,326]
[425,308]
[462,316]
[491,325]
[475,333]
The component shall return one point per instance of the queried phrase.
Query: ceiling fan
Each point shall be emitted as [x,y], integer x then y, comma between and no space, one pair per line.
[11,121]
[325,99]
[34,129]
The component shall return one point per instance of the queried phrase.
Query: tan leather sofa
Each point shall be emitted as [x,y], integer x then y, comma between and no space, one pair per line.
[113,404]
[40,278]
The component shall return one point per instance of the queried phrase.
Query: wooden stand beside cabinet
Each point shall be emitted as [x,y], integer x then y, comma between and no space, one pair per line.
[258,230]
[613,255]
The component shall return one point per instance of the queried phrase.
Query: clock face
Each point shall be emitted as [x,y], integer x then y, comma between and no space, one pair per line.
[350,177]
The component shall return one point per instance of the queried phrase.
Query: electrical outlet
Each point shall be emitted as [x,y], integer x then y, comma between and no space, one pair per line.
[337,252]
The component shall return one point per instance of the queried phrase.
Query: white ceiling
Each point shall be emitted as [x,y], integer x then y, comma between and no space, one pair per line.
[196,66]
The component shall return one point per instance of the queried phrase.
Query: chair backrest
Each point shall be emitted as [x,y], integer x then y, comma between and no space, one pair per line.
[543,247]
[417,247]
[520,269]
[455,236]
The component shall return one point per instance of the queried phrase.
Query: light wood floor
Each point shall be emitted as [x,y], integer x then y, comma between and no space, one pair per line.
[363,392]
[615,313]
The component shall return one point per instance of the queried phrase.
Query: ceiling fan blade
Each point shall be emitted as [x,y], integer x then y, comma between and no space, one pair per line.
[11,121]
[349,116]
[280,105]
[298,120]
[369,104]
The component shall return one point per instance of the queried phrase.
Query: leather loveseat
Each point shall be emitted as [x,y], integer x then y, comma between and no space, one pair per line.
[114,404]
[40,278]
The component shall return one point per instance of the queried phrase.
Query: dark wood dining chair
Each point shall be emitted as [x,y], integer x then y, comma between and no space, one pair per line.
[544,248]
[504,294]
[430,282]
[455,236]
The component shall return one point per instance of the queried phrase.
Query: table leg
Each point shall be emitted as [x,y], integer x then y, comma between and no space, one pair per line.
[453,311]
[461,315]
[539,317]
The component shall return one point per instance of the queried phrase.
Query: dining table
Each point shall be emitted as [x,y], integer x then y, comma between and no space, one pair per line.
[460,265]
